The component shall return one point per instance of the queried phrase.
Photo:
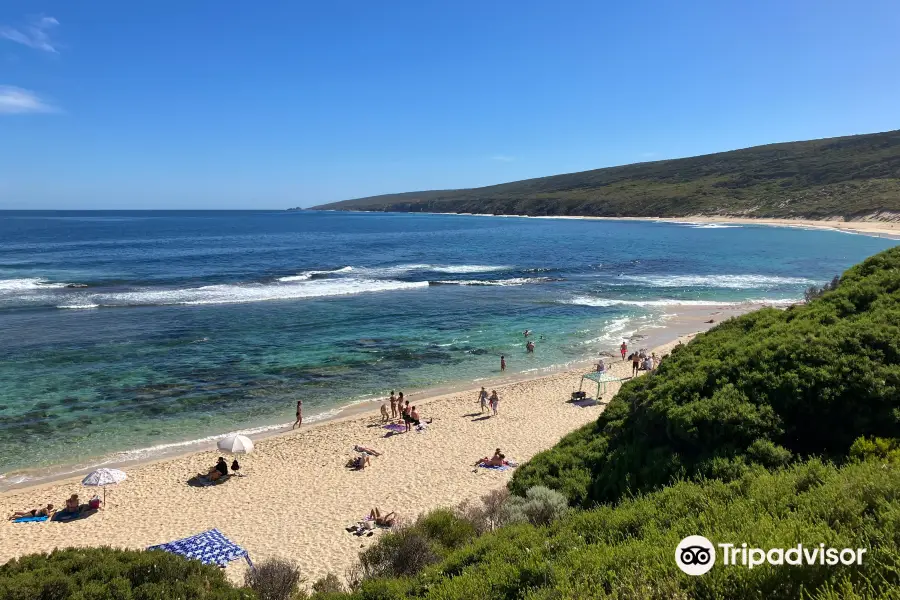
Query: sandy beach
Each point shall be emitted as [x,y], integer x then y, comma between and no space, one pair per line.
[298,496]
[884,224]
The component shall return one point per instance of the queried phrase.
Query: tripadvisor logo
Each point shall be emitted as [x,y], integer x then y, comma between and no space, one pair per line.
[696,555]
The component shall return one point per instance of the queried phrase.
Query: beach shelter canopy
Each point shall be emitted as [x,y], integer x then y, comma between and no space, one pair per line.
[600,378]
[236,444]
[103,478]
[210,547]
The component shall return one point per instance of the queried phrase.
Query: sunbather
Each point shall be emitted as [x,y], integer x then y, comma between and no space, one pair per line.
[494,461]
[73,505]
[34,512]
[387,520]
[367,450]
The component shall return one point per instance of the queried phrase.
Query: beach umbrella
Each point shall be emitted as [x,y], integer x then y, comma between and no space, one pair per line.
[103,478]
[236,444]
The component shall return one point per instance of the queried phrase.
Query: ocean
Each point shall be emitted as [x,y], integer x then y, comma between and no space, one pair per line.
[126,333]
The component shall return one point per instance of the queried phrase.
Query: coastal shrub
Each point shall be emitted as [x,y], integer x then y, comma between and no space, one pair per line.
[813,292]
[486,513]
[540,506]
[409,549]
[627,550]
[875,449]
[95,573]
[274,579]
[762,389]
[327,588]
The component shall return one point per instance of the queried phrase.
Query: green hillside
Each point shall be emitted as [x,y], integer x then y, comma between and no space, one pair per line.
[849,177]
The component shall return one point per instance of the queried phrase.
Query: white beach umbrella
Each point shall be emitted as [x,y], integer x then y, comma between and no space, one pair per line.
[236,444]
[103,478]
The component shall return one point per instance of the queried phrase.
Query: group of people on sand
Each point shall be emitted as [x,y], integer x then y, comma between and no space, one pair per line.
[642,361]
[363,457]
[401,410]
[73,508]
[489,403]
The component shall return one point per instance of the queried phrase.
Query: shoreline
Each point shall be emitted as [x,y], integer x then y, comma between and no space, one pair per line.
[686,320]
[885,228]
[298,496]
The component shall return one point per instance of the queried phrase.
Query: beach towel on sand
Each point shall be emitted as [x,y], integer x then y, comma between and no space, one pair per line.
[31,519]
[495,468]
[396,428]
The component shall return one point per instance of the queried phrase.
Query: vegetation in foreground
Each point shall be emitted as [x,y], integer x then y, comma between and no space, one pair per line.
[848,177]
[773,429]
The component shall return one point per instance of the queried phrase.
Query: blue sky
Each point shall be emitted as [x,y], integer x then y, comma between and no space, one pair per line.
[268,105]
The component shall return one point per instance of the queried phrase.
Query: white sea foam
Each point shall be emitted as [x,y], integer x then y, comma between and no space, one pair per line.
[600,302]
[397,270]
[27,284]
[704,225]
[499,282]
[718,281]
[234,294]
[79,306]
[307,275]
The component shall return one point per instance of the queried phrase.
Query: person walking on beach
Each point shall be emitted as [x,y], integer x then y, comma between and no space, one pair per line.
[495,401]
[502,363]
[623,349]
[483,398]
[635,364]
[299,420]
[393,405]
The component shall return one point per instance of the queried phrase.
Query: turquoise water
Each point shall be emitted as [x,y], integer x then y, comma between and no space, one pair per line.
[132,330]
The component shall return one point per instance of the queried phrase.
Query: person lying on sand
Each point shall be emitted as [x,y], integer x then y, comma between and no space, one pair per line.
[387,520]
[367,450]
[36,512]
[494,461]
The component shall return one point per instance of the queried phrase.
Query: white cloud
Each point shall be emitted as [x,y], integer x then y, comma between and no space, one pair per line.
[16,101]
[34,35]
[503,158]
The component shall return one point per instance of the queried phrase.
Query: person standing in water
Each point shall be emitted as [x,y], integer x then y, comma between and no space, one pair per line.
[502,363]
[623,349]
[393,405]
[299,420]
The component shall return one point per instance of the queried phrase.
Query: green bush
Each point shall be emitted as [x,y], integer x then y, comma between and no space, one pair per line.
[627,550]
[329,584]
[274,579]
[763,389]
[101,573]
[540,506]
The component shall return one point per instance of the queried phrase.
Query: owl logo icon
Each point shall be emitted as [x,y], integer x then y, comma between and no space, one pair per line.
[695,555]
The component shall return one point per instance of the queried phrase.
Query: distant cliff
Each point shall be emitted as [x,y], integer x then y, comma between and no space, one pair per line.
[848,177]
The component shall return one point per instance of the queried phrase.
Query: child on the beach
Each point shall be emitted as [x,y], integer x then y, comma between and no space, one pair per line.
[385,417]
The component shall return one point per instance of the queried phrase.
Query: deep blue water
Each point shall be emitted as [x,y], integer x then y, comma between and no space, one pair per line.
[126,330]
